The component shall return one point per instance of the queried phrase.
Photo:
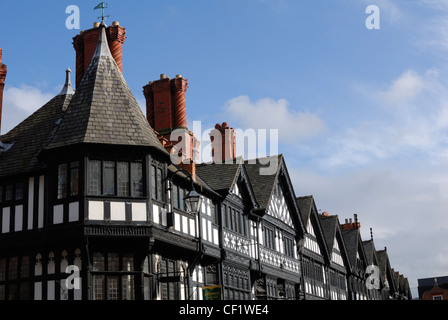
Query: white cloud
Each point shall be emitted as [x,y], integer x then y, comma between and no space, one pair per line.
[406,208]
[268,114]
[411,122]
[406,87]
[19,103]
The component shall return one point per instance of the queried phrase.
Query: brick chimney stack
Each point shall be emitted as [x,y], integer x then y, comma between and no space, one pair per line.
[85,45]
[350,224]
[166,111]
[3,72]
[166,107]
[223,143]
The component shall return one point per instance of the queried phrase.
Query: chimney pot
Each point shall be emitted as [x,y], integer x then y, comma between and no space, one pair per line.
[96,24]
[163,76]
[3,72]
[179,76]
[115,23]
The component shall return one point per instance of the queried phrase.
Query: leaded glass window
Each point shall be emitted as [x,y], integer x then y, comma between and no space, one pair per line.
[113,262]
[123,179]
[137,179]
[19,191]
[159,184]
[12,268]
[109,177]
[95,178]
[74,178]
[8,193]
[62,181]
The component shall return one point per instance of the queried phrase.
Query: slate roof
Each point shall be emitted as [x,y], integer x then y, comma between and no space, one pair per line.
[220,176]
[103,109]
[369,249]
[30,136]
[263,184]
[329,226]
[351,238]
[305,205]
[20,147]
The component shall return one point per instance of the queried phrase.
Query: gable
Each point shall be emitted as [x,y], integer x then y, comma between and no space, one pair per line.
[311,239]
[336,256]
[278,207]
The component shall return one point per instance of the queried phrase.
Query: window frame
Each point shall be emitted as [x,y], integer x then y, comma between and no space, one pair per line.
[69,186]
[134,189]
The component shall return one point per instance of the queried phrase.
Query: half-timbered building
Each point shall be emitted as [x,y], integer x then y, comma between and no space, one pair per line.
[374,280]
[357,258]
[280,230]
[338,265]
[387,278]
[314,255]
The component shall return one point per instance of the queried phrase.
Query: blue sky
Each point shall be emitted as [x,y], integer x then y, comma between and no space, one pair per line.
[362,114]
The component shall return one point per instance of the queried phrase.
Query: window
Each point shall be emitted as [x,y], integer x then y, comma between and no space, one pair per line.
[62,181]
[19,191]
[68,179]
[12,268]
[169,279]
[112,279]
[25,267]
[3,269]
[8,193]
[137,179]
[288,246]
[235,220]
[269,240]
[122,179]
[109,177]
[74,178]
[95,178]
[157,183]
[438,297]
[178,195]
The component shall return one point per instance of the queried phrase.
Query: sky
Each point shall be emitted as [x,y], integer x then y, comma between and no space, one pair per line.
[361,113]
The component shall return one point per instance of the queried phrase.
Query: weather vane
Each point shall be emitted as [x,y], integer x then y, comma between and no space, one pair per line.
[102,6]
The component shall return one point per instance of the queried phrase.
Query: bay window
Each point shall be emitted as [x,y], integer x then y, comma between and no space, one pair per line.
[115,178]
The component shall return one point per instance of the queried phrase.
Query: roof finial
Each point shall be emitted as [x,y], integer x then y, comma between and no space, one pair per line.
[102,6]
[67,89]
[102,47]
[371,234]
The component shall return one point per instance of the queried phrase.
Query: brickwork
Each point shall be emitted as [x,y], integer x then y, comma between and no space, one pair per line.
[3,72]
[85,45]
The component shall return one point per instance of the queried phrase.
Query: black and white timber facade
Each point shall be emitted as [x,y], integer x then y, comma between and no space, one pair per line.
[86,185]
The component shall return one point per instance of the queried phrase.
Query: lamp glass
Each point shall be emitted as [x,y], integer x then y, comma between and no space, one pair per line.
[193,202]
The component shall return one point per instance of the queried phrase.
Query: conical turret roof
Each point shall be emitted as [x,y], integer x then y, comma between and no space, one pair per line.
[103,109]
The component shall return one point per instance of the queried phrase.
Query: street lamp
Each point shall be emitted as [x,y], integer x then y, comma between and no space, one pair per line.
[193,201]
